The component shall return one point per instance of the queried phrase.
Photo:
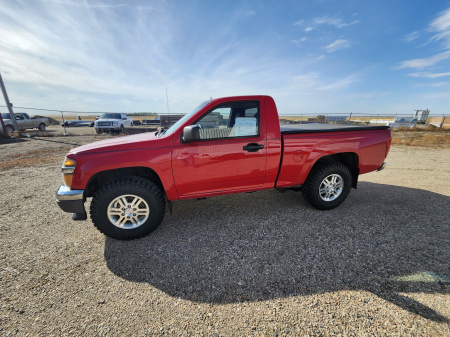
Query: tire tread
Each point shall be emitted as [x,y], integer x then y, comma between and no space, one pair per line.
[318,173]
[130,182]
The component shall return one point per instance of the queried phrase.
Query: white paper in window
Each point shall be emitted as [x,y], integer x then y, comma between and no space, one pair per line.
[245,126]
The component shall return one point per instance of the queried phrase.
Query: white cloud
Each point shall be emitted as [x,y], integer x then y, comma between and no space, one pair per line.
[299,42]
[86,4]
[441,26]
[338,23]
[337,45]
[428,75]
[372,94]
[424,62]
[306,80]
[327,20]
[342,83]
[313,83]
[433,85]
[412,36]
[441,29]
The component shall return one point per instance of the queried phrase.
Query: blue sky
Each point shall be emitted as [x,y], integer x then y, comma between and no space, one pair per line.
[313,57]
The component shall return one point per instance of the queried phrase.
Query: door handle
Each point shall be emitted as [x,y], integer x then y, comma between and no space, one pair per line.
[253,147]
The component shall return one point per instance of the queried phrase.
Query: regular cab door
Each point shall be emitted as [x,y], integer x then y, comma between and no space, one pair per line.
[230,154]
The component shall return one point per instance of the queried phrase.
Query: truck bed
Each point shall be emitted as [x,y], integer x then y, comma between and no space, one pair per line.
[320,128]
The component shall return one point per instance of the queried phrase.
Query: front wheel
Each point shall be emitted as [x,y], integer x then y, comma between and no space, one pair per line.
[9,129]
[128,208]
[327,185]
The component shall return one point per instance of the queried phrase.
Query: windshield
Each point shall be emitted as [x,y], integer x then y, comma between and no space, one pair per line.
[185,118]
[110,116]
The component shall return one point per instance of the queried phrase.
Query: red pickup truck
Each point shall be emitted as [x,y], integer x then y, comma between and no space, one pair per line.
[226,145]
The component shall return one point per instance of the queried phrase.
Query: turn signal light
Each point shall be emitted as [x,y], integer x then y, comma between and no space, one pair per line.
[68,179]
[68,169]
[69,162]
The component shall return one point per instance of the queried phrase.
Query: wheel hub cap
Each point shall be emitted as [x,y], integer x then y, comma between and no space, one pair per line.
[331,187]
[128,211]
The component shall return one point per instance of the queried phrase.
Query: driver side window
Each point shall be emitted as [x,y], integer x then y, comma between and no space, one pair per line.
[229,120]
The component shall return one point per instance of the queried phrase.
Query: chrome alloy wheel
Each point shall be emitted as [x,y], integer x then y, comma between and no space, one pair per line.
[331,187]
[128,211]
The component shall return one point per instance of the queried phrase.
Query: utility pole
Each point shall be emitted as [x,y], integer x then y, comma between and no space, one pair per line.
[8,104]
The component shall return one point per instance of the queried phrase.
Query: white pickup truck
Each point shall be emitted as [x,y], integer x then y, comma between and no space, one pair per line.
[24,121]
[111,121]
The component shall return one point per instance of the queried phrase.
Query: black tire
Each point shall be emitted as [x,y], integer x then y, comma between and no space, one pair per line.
[116,197]
[41,127]
[98,131]
[9,129]
[122,129]
[315,190]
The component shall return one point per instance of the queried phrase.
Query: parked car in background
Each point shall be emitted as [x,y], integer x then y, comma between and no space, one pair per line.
[77,123]
[24,121]
[155,121]
[111,121]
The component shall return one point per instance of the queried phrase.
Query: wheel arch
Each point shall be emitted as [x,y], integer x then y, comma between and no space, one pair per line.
[349,159]
[103,177]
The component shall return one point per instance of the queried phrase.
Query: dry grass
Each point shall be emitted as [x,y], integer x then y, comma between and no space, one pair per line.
[427,128]
[421,136]
[32,158]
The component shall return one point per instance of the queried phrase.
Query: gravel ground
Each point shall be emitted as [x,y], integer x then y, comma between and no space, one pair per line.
[261,264]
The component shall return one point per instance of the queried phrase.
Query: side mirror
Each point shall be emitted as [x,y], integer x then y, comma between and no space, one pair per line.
[191,133]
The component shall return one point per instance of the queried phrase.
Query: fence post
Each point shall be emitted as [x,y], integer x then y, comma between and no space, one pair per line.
[146,122]
[64,123]
[350,118]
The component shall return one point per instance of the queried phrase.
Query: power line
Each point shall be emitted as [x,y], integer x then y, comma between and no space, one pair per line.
[355,114]
[89,112]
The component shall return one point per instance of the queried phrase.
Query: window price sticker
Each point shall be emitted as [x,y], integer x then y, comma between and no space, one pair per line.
[245,127]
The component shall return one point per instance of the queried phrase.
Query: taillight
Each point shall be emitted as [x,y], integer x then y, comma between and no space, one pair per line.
[388,142]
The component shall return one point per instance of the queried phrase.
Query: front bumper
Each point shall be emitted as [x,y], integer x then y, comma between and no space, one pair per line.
[107,127]
[71,201]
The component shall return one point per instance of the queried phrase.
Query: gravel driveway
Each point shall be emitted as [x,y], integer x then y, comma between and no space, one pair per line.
[260,264]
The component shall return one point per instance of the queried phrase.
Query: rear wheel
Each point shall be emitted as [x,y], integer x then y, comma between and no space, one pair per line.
[41,127]
[128,208]
[327,185]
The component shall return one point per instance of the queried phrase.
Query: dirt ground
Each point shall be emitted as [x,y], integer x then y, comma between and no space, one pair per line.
[260,264]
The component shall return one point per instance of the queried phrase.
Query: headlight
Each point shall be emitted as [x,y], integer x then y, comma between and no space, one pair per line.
[116,122]
[68,169]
